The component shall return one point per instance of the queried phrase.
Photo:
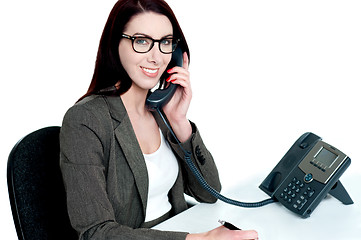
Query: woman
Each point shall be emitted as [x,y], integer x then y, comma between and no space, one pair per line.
[122,169]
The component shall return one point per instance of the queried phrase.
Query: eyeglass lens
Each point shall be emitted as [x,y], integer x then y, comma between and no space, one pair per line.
[144,44]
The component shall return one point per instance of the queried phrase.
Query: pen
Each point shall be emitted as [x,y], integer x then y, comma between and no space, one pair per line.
[228,225]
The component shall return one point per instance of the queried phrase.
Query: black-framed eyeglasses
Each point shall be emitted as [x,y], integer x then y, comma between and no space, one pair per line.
[145,44]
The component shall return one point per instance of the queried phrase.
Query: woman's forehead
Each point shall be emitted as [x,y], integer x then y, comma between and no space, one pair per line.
[152,24]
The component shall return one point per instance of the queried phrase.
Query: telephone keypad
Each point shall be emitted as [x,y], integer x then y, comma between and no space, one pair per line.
[297,193]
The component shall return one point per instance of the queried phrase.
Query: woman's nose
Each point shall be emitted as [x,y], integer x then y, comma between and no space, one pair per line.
[155,55]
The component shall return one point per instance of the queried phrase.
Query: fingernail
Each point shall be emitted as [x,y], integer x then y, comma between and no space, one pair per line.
[168,79]
[169,70]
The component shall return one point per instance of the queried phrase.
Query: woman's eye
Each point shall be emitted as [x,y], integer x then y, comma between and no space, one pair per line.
[142,41]
[166,42]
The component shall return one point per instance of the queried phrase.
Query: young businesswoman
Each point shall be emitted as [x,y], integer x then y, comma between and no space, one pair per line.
[122,169]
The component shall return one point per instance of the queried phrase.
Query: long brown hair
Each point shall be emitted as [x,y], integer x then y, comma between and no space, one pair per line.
[108,69]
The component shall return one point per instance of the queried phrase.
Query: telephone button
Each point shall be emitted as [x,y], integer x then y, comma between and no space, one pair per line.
[310,194]
[303,145]
[302,204]
[308,177]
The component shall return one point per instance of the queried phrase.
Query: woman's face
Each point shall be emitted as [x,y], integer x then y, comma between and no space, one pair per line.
[145,69]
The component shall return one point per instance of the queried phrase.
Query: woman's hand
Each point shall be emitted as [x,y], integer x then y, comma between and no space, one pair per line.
[176,109]
[222,233]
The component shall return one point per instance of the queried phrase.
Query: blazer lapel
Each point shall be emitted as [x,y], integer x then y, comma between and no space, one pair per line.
[128,142]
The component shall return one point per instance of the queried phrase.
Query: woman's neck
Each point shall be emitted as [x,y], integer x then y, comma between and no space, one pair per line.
[134,101]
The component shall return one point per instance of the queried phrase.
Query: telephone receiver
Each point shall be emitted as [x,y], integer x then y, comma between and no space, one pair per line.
[160,97]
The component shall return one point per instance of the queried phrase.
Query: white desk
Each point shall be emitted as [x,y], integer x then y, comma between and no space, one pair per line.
[331,220]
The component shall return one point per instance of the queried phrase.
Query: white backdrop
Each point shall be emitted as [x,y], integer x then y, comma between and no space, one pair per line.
[262,72]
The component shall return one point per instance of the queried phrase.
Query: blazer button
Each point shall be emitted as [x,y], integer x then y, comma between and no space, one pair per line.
[200,157]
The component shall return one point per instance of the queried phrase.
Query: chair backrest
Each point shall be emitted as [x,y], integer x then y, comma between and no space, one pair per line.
[36,189]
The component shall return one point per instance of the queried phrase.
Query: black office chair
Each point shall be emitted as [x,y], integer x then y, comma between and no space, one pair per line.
[36,189]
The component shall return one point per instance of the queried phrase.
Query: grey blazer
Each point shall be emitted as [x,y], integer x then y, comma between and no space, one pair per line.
[106,177]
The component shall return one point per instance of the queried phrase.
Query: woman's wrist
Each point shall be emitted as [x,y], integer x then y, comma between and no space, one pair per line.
[195,236]
[182,129]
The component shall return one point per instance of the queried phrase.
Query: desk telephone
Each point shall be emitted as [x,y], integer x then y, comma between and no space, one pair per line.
[304,176]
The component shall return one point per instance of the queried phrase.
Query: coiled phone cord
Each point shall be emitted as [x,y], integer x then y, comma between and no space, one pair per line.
[203,182]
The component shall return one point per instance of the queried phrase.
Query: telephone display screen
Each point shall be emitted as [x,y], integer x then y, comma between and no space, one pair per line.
[326,157]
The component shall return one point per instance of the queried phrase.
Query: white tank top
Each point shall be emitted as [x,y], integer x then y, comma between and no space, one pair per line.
[163,170]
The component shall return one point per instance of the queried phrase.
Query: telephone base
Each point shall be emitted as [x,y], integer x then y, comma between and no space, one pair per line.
[339,192]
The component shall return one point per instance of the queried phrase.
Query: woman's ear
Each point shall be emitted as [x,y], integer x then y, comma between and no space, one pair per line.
[117,85]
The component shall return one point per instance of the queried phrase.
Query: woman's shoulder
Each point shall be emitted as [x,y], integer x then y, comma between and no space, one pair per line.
[91,102]
[89,109]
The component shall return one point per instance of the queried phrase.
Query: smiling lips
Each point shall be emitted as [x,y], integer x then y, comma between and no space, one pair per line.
[150,72]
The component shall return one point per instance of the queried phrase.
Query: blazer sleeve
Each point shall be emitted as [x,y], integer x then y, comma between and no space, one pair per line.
[203,160]
[83,153]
